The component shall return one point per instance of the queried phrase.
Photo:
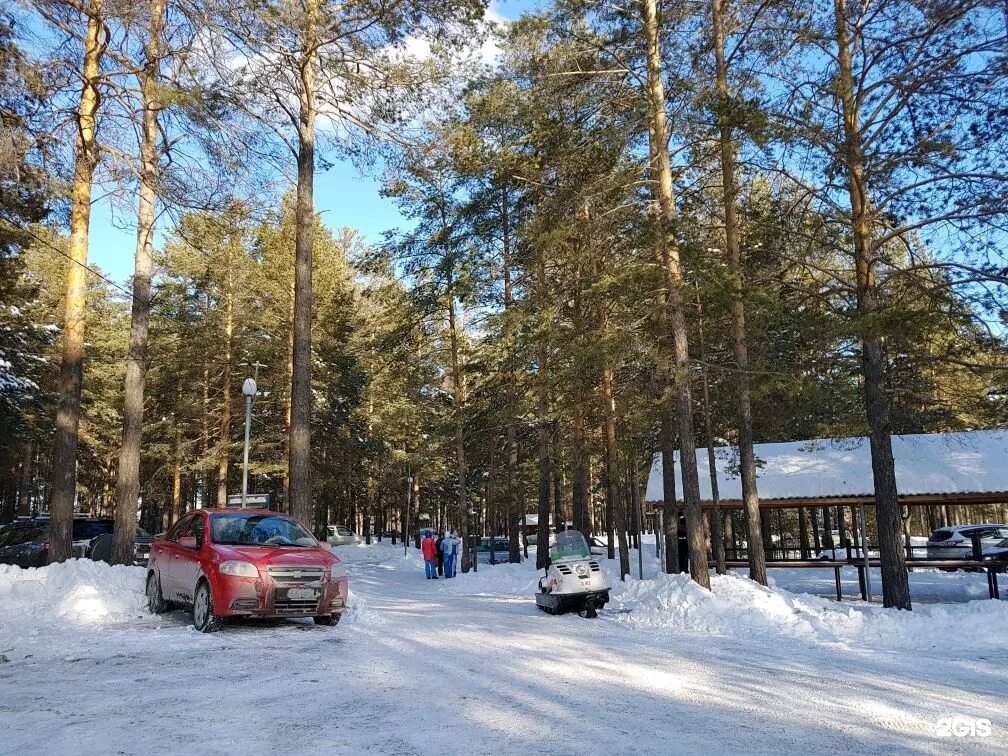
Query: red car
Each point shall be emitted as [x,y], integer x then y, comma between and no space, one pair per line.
[244,562]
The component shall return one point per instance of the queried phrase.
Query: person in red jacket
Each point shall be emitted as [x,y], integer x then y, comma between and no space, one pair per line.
[429,549]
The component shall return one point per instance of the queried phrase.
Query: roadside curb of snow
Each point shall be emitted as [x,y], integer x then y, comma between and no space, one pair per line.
[736,606]
[359,613]
[79,591]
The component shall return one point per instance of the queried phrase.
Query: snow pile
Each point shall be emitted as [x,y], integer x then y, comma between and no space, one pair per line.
[80,592]
[736,606]
[510,579]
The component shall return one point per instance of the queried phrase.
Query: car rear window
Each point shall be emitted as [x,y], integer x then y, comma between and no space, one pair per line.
[941,535]
[85,530]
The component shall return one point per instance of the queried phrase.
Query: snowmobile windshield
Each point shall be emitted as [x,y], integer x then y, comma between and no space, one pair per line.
[569,543]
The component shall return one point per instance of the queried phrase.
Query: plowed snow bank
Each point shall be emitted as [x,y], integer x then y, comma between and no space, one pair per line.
[737,606]
[79,592]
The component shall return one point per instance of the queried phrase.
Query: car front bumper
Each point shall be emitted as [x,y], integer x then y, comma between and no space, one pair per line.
[264,597]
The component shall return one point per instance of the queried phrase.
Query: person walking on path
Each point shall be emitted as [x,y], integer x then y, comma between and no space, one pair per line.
[450,546]
[429,550]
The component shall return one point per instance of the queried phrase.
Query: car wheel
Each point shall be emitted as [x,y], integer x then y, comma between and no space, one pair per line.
[327,619]
[155,601]
[204,618]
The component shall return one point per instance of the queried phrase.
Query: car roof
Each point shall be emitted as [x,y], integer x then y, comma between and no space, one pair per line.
[239,510]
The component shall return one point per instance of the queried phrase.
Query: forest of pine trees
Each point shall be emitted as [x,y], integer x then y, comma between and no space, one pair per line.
[643,226]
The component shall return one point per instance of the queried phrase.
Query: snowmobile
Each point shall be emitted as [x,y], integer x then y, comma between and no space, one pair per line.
[573,582]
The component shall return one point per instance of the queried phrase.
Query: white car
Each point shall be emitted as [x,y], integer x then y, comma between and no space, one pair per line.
[337,535]
[956,541]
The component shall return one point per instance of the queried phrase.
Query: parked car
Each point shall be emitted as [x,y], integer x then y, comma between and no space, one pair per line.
[26,542]
[956,542]
[997,553]
[338,535]
[244,562]
[501,550]
[100,547]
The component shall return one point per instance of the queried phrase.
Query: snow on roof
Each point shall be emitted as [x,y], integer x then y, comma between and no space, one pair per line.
[936,463]
[533,519]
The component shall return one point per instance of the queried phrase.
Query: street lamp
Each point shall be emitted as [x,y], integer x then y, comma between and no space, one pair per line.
[409,501]
[249,390]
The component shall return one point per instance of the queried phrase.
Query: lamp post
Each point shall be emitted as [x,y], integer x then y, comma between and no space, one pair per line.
[249,390]
[407,536]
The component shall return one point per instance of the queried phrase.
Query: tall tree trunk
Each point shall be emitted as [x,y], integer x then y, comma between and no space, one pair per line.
[224,441]
[23,508]
[205,439]
[803,533]
[64,456]
[8,502]
[176,499]
[543,529]
[299,442]
[128,484]
[514,511]
[285,483]
[670,513]
[729,521]
[491,504]
[667,402]
[740,344]
[616,515]
[416,506]
[895,584]
[558,486]
[459,399]
[661,171]
[717,521]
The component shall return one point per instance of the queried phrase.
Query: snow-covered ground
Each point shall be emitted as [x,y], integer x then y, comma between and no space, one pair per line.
[469,666]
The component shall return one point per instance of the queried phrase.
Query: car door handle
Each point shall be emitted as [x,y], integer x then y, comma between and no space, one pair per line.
[176,556]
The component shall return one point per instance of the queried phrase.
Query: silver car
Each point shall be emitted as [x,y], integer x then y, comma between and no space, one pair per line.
[956,541]
[337,535]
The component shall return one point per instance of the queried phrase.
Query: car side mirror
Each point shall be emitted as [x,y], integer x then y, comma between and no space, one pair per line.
[188,542]
[325,545]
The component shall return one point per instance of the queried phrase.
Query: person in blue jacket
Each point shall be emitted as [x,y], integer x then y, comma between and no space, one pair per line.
[451,547]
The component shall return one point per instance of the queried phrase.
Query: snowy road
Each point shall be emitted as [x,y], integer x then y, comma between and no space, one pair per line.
[470,667]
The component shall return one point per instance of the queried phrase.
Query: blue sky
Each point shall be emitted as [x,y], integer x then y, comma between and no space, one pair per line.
[343,197]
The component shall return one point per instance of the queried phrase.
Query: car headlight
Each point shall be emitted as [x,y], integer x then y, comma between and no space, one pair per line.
[239,569]
[337,570]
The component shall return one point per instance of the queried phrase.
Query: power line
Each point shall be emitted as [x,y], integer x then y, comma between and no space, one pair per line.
[90,270]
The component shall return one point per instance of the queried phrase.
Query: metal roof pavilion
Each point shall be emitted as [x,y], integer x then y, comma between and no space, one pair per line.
[968,467]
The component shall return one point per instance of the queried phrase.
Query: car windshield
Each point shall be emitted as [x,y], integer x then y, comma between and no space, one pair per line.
[568,543]
[259,530]
[141,533]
